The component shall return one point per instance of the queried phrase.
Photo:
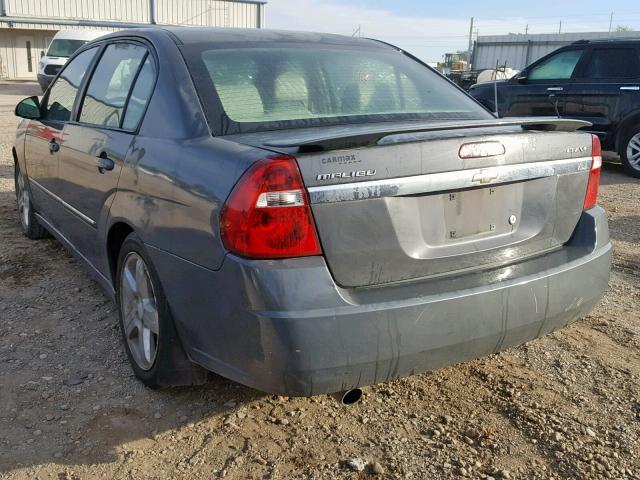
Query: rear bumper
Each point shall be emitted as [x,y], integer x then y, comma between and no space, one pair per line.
[286,328]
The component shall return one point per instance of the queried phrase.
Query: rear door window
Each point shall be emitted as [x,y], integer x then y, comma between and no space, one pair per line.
[109,87]
[62,93]
[558,67]
[613,63]
[140,95]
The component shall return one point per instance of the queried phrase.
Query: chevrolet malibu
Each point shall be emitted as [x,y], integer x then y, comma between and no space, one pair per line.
[306,213]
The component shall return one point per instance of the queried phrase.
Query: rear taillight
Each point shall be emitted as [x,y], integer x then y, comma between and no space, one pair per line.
[591,198]
[267,214]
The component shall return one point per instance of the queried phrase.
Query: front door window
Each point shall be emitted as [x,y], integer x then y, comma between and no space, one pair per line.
[558,67]
[62,93]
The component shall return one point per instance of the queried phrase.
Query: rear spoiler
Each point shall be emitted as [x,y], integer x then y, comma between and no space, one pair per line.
[353,136]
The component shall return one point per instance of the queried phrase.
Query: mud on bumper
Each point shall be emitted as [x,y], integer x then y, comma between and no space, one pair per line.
[286,328]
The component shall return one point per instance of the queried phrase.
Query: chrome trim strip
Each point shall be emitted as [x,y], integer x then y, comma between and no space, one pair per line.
[438,182]
[64,204]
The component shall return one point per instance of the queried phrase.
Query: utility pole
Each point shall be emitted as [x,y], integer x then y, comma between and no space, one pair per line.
[610,23]
[526,29]
[357,31]
[470,44]
[560,28]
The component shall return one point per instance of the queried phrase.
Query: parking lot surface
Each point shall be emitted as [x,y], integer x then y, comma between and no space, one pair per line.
[564,406]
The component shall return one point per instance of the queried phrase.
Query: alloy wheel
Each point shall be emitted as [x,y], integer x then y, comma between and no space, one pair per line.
[139,311]
[633,152]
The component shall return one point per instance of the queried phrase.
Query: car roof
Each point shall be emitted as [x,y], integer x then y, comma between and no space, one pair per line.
[193,35]
[608,41]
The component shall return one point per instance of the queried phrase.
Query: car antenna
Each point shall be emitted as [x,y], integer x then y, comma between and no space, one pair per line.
[495,89]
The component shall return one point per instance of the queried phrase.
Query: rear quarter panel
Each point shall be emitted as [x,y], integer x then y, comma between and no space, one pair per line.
[171,192]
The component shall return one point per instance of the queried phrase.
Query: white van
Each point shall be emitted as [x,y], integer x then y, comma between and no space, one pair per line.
[63,45]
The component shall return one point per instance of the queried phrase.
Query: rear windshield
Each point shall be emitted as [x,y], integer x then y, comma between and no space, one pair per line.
[271,88]
[64,47]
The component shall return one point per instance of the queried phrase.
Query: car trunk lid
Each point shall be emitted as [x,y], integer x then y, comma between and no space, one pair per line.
[401,204]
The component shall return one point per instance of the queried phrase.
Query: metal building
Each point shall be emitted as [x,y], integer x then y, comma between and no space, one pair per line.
[27,26]
[518,50]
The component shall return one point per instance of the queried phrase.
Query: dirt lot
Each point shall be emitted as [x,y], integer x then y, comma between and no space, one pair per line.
[565,406]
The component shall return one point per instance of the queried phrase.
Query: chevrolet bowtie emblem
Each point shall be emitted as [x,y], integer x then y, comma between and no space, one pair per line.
[485,176]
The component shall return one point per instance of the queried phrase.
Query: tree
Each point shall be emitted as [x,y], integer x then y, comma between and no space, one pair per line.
[623,28]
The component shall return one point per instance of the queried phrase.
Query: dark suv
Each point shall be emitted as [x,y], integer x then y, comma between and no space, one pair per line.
[597,81]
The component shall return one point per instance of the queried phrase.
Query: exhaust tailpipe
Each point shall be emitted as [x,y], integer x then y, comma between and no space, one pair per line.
[349,397]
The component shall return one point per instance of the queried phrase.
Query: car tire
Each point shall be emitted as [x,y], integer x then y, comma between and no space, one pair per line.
[29,223]
[148,331]
[630,151]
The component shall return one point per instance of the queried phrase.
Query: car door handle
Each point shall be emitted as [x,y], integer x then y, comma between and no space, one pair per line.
[54,146]
[555,89]
[631,88]
[104,163]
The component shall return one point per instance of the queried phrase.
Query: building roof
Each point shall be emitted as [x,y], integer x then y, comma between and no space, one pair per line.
[564,38]
[52,14]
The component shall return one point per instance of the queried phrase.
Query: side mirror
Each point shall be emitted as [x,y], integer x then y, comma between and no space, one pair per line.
[522,78]
[28,108]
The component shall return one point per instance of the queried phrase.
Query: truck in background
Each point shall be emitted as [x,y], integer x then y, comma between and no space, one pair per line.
[63,45]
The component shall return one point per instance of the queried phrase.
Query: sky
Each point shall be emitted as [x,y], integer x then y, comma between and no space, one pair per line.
[428,29]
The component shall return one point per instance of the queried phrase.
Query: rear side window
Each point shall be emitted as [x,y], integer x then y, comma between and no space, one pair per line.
[110,84]
[140,95]
[612,63]
[270,88]
[63,92]
[558,67]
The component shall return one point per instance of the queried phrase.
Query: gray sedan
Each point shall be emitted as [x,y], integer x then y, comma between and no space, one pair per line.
[306,213]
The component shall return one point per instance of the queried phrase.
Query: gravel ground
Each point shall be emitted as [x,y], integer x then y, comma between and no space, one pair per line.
[564,406]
